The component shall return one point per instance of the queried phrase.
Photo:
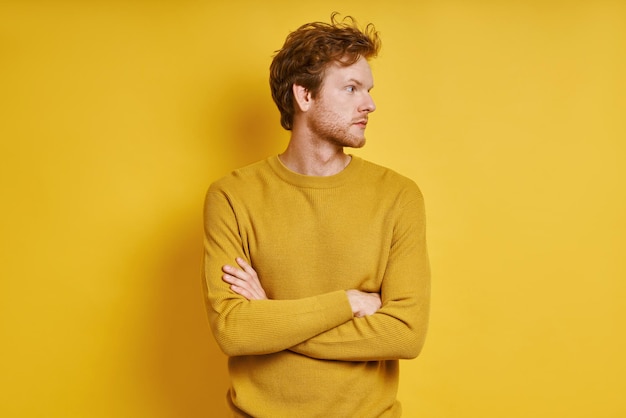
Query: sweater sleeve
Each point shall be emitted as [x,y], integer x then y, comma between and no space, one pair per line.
[398,329]
[243,327]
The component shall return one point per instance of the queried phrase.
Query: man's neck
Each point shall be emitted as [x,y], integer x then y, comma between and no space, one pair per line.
[321,159]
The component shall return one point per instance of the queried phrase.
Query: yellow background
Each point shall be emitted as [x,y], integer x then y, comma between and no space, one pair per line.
[116,116]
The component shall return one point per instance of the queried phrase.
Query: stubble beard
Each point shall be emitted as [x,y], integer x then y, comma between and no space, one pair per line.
[329,127]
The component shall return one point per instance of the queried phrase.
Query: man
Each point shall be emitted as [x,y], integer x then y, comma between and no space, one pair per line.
[316,268]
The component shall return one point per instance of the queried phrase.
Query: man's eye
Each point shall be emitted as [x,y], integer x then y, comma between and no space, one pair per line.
[351,89]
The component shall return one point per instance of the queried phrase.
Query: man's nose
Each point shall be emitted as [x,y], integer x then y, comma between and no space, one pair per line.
[368,104]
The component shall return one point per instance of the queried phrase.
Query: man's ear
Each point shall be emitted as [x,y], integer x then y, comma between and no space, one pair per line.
[302,96]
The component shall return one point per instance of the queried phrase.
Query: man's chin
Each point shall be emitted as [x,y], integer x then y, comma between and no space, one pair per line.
[357,143]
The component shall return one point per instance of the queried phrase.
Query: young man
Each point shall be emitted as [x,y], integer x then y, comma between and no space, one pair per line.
[316,268]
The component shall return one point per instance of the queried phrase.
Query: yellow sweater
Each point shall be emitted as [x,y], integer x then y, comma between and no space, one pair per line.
[301,353]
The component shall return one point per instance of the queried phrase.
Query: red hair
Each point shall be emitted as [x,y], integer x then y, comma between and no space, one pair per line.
[309,50]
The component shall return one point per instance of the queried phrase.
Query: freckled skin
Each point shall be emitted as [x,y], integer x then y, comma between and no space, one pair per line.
[342,102]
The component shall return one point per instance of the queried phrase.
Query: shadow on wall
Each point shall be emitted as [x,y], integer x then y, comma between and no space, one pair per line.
[252,123]
[191,370]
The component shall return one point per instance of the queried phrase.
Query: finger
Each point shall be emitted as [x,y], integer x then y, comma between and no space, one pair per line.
[248,279]
[239,282]
[234,271]
[242,292]
[233,280]
[253,277]
[241,287]
[246,267]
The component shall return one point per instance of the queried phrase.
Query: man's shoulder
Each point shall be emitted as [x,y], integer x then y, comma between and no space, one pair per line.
[387,176]
[390,186]
[243,177]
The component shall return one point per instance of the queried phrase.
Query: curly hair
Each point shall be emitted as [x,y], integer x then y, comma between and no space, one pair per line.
[309,50]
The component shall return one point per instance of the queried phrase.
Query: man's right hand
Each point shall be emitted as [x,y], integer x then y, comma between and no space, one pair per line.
[362,303]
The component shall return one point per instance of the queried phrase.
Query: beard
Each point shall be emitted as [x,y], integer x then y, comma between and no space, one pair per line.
[331,127]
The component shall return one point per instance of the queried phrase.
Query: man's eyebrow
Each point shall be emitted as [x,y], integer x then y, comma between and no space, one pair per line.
[355,81]
[358,83]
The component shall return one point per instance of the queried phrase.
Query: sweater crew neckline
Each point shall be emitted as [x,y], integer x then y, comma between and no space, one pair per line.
[315,182]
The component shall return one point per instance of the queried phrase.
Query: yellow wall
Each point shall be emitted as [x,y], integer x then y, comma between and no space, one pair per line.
[115,117]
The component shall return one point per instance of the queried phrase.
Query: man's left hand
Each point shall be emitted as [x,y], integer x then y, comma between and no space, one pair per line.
[243,280]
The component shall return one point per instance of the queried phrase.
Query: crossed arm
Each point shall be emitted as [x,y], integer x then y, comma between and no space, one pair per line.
[346,325]
[382,328]
[244,281]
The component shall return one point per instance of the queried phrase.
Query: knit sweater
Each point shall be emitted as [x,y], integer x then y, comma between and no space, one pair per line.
[302,353]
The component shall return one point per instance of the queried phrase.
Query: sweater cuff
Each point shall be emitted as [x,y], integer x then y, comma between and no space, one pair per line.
[335,308]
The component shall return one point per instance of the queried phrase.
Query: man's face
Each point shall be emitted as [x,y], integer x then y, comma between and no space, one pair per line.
[339,112]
